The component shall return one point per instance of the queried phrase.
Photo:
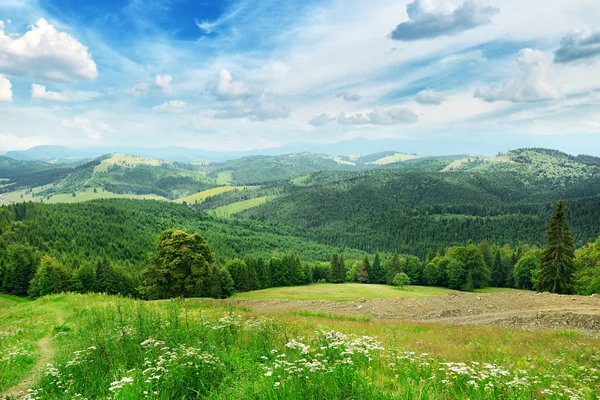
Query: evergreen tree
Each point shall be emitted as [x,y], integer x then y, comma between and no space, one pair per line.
[278,272]
[431,274]
[338,269]
[367,265]
[376,274]
[498,277]
[413,268]
[557,269]
[239,272]
[362,273]
[486,252]
[83,279]
[394,267]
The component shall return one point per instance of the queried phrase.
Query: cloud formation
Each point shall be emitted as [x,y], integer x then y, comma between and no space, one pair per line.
[92,129]
[429,20]
[429,97]
[321,120]
[577,46]
[5,89]
[533,85]
[163,82]
[392,116]
[349,96]
[45,53]
[172,107]
[39,92]
[228,89]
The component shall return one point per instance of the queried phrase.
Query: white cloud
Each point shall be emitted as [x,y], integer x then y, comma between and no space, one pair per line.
[228,89]
[321,120]
[43,52]
[430,19]
[577,46]
[5,89]
[163,82]
[92,129]
[10,142]
[273,70]
[265,107]
[349,96]
[533,86]
[39,92]
[172,107]
[392,116]
[139,89]
[429,96]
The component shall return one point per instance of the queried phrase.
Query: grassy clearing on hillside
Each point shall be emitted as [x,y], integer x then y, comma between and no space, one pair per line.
[234,208]
[116,348]
[89,194]
[124,160]
[201,196]
[395,158]
[15,197]
[342,292]
[6,300]
[224,178]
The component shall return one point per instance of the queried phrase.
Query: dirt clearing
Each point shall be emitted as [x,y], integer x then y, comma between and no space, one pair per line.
[519,310]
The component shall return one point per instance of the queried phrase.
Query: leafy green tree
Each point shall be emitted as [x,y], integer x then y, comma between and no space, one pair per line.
[51,277]
[181,262]
[413,268]
[456,274]
[84,278]
[401,280]
[587,262]
[473,273]
[525,270]
[20,264]
[486,252]
[431,274]
[376,275]
[558,269]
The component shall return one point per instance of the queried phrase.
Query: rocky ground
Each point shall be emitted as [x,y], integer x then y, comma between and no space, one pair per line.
[520,310]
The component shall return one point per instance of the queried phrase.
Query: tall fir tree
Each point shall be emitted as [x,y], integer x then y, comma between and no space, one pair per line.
[558,269]
[338,269]
[393,268]
[376,274]
[498,273]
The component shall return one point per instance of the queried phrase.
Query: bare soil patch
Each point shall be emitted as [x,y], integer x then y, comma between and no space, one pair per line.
[518,310]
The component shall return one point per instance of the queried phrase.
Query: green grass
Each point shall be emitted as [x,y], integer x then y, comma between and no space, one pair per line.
[201,196]
[500,290]
[7,300]
[110,347]
[224,178]
[234,208]
[89,194]
[342,292]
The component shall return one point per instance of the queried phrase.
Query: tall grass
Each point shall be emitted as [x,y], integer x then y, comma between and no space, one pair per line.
[112,348]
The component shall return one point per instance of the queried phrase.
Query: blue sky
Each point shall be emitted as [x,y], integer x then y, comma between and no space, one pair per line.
[247,74]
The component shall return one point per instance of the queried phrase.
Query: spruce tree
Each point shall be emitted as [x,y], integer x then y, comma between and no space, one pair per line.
[376,272]
[498,273]
[557,270]
[338,269]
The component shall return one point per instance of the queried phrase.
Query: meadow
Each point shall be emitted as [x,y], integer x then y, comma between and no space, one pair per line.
[104,347]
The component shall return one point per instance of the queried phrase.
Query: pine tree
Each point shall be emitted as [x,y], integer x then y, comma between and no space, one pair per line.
[557,270]
[498,274]
[367,265]
[376,274]
[362,273]
[393,268]
[338,269]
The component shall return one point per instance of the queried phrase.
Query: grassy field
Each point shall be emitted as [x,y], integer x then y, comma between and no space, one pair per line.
[89,194]
[201,196]
[15,196]
[395,158]
[234,208]
[342,292]
[224,178]
[124,160]
[102,347]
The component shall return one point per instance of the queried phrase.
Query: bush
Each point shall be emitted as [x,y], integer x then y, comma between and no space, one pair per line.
[401,280]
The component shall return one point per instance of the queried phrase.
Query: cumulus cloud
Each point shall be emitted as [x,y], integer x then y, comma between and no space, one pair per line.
[321,120]
[577,46]
[92,129]
[43,52]
[39,92]
[172,107]
[228,89]
[349,96]
[243,102]
[5,89]
[163,82]
[429,97]
[429,19]
[392,116]
[533,85]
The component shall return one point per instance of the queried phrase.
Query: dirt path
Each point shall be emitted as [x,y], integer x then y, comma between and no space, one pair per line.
[46,354]
[519,310]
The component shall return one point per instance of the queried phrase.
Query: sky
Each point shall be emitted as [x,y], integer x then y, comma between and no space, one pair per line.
[234,75]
